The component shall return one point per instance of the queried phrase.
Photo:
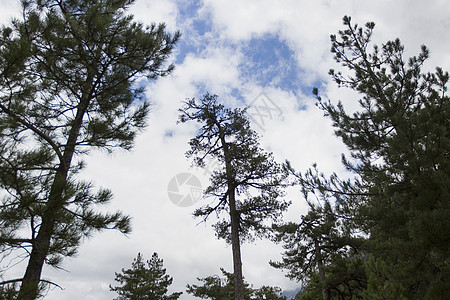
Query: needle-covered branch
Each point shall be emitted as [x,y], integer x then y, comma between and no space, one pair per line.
[255,175]
[71,75]
[398,138]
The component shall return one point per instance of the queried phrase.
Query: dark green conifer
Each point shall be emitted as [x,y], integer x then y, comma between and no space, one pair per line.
[69,74]
[322,255]
[221,288]
[399,141]
[141,282]
[247,185]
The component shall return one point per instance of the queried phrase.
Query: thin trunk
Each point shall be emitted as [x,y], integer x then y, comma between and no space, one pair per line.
[234,219]
[236,248]
[325,290]
[41,244]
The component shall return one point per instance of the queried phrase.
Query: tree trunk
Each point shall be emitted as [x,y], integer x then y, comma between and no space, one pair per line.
[30,282]
[41,244]
[325,290]
[236,248]
[234,219]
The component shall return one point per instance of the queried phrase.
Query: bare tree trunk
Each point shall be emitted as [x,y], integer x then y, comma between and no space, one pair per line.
[236,248]
[325,290]
[30,282]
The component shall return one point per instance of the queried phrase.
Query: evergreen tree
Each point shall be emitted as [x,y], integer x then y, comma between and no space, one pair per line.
[247,185]
[222,288]
[399,142]
[141,282]
[322,255]
[267,293]
[68,83]
[216,287]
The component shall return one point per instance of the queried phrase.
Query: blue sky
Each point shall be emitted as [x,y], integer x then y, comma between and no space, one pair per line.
[266,59]
[270,62]
[247,52]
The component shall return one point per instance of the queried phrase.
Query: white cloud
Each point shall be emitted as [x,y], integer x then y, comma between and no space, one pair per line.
[156,11]
[10,9]
[306,26]
[216,69]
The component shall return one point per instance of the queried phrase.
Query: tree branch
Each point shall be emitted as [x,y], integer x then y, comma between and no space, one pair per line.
[35,130]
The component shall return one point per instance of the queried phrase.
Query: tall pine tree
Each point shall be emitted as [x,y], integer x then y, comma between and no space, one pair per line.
[68,83]
[248,184]
[399,142]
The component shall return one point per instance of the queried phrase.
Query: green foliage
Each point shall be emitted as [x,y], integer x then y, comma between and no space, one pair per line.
[382,283]
[69,76]
[322,254]
[217,288]
[141,282]
[8,292]
[248,183]
[268,293]
[399,153]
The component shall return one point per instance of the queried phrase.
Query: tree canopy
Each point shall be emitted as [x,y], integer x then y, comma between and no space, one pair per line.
[141,282]
[322,254]
[221,288]
[398,200]
[69,74]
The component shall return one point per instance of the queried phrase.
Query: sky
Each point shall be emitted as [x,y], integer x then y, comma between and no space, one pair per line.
[267,55]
